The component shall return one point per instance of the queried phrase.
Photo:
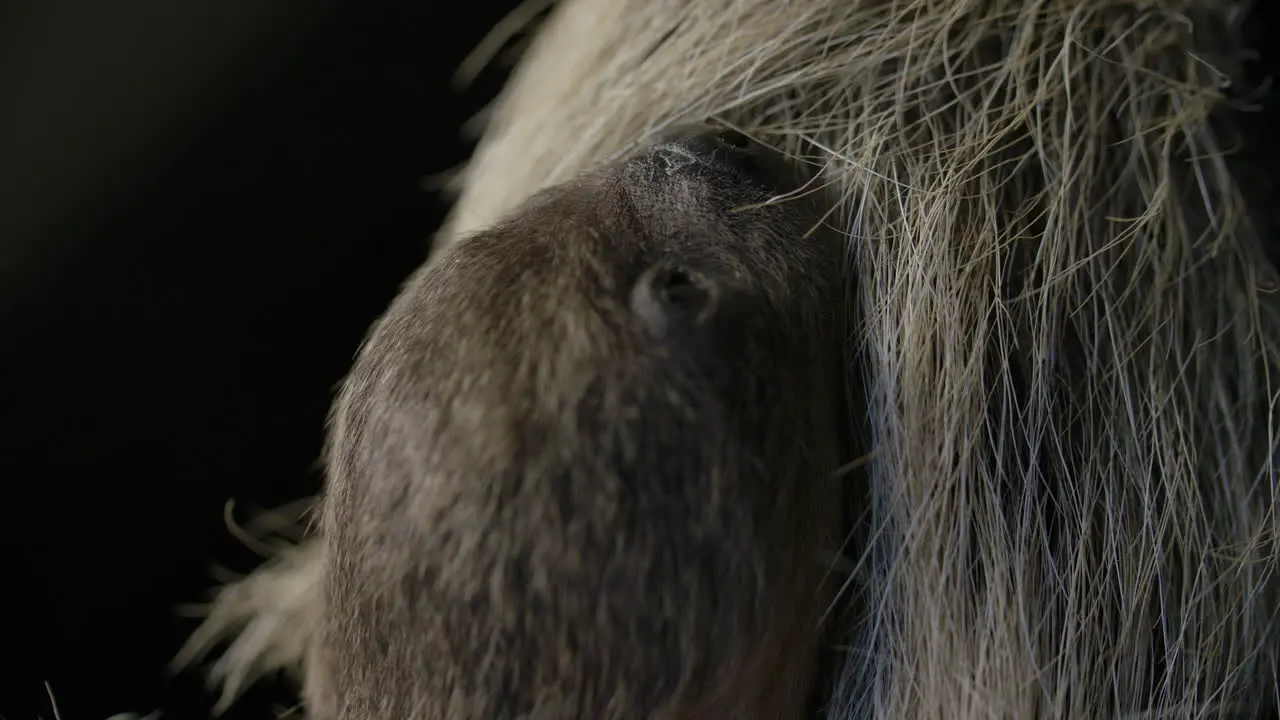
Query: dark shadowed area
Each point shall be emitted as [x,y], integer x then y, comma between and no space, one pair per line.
[203,206]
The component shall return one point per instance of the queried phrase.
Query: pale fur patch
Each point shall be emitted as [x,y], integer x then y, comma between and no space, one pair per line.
[268,616]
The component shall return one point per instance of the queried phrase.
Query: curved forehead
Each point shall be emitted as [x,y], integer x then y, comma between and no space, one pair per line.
[647,208]
[557,269]
[537,306]
[572,252]
[588,223]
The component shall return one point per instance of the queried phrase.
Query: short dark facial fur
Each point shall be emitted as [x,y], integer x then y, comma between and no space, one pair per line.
[583,467]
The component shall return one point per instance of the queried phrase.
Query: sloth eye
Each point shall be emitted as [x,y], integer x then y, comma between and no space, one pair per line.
[668,294]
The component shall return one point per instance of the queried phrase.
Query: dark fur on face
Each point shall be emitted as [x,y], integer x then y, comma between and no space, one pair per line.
[583,467]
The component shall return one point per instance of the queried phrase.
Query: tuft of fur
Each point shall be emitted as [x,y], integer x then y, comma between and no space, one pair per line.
[268,615]
[1068,334]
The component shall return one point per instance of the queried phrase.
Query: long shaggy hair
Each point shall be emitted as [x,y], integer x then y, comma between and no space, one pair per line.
[1066,325]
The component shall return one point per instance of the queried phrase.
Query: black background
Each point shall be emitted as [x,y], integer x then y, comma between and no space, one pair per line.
[203,206]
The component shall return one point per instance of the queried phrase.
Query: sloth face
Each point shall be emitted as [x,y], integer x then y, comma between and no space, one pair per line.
[577,435]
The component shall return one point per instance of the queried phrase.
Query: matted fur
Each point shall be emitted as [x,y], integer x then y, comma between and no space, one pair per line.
[1067,330]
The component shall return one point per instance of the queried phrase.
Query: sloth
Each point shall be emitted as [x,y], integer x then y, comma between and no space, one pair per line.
[573,472]
[1058,237]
